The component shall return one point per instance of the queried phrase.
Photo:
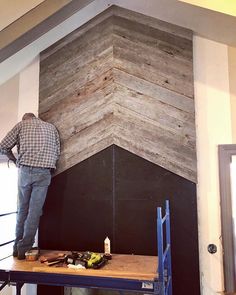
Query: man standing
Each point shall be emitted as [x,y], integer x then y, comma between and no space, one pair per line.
[38,148]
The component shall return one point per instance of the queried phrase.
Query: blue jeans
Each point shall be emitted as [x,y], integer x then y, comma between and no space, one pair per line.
[33,184]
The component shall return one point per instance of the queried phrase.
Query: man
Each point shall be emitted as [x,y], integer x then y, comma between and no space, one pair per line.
[38,148]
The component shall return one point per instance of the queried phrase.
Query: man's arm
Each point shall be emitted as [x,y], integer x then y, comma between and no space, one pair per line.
[8,142]
[58,143]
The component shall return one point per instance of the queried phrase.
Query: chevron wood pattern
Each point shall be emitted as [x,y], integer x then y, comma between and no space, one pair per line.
[125,79]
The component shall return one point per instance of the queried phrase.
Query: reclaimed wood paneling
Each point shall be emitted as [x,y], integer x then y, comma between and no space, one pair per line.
[126,79]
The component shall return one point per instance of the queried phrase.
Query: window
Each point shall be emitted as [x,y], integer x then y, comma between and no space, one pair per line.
[8,201]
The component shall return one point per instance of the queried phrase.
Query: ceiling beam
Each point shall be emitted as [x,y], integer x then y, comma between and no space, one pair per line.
[36,23]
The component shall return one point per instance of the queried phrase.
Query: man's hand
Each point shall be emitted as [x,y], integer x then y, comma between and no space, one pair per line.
[11,156]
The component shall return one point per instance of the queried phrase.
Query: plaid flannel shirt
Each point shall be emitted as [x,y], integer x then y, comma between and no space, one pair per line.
[38,143]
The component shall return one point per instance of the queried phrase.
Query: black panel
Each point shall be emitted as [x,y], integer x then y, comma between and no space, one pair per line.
[116,193]
[78,208]
[142,186]
[50,290]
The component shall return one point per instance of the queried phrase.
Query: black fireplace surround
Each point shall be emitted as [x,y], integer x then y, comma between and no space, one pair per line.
[115,193]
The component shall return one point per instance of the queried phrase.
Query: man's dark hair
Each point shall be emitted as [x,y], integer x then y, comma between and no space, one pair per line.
[27,116]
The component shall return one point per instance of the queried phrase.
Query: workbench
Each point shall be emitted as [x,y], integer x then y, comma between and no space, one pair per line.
[146,274]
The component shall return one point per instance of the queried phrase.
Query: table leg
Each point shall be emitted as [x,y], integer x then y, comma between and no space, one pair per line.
[18,288]
[3,285]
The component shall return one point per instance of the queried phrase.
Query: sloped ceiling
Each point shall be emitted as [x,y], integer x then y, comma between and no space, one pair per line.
[227,7]
[17,55]
[32,25]
[123,79]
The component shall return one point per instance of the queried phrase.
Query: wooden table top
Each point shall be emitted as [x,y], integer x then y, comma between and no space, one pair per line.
[138,267]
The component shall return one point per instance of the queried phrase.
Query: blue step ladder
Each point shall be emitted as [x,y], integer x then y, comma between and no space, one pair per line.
[164,252]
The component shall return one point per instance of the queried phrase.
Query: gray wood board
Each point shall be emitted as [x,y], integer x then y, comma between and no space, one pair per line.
[125,79]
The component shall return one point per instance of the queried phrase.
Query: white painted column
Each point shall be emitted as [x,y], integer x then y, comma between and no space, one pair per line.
[9,105]
[29,89]
[213,127]
[232,86]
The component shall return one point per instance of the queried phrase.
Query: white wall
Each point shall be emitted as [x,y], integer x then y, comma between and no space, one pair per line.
[18,96]
[213,123]
[232,85]
[213,127]
[9,104]
[29,89]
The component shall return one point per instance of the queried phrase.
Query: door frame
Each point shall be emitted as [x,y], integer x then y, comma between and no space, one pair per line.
[225,153]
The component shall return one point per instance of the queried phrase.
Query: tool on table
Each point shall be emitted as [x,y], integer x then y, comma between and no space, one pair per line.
[87,259]
[32,255]
[93,260]
[53,259]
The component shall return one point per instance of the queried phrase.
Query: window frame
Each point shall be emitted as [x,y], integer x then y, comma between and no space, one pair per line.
[4,159]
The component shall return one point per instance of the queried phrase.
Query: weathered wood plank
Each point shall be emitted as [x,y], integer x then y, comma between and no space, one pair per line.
[59,68]
[87,95]
[152,22]
[163,49]
[67,162]
[123,79]
[73,84]
[137,29]
[141,85]
[158,137]
[163,60]
[159,113]
[83,122]
[88,143]
[129,60]
[154,157]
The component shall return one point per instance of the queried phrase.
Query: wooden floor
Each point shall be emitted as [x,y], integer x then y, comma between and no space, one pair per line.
[121,266]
